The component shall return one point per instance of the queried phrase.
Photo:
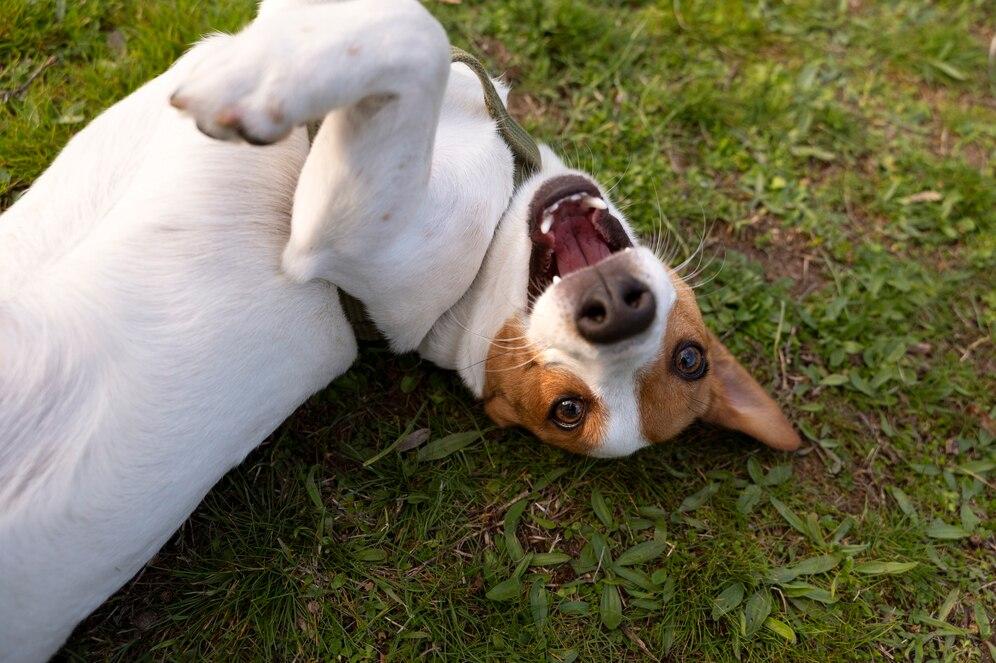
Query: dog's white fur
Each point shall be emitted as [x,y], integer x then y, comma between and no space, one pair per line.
[149,338]
[165,300]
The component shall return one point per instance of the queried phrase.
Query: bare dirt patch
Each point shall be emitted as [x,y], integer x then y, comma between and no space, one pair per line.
[782,252]
[812,471]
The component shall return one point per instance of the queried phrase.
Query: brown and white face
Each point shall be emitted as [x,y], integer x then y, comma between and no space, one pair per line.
[612,354]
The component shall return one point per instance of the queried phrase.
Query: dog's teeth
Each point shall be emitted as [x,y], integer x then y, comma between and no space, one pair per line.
[597,203]
[556,280]
[547,223]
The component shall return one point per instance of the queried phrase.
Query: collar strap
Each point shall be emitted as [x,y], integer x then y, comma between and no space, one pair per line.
[524,149]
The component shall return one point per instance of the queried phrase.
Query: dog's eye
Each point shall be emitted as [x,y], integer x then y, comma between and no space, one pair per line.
[689,361]
[568,413]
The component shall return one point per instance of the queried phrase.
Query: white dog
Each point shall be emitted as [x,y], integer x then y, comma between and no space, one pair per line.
[165,298]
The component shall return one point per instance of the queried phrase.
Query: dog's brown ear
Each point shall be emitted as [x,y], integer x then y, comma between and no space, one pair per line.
[738,402]
[497,407]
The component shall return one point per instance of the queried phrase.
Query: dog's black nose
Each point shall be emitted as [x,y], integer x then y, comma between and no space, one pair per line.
[616,307]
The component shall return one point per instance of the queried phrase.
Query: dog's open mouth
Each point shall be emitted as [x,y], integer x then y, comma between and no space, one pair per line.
[571,228]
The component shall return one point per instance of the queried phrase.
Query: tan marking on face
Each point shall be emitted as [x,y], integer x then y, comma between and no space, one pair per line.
[726,395]
[519,391]
[669,403]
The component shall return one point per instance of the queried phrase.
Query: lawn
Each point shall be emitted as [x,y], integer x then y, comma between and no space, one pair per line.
[828,169]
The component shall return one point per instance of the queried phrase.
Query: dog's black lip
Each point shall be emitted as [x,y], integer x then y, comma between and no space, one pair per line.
[557,189]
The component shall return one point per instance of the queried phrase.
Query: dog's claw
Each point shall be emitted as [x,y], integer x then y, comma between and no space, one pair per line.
[229,118]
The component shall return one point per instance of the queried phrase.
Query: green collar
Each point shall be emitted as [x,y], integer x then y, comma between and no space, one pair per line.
[525,153]
[523,147]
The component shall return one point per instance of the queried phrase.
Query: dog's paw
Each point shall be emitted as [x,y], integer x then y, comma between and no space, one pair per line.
[238,93]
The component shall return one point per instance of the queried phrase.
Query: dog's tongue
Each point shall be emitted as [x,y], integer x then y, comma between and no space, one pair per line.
[577,244]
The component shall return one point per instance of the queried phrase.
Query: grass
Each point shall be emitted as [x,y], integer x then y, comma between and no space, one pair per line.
[835,162]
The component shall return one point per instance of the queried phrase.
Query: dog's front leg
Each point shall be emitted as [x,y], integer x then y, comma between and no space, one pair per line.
[297,63]
[375,71]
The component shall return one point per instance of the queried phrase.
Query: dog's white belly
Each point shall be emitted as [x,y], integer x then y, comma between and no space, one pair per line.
[148,342]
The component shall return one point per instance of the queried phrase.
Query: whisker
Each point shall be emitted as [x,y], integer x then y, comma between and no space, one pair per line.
[705,406]
[695,254]
[509,368]
[504,341]
[712,277]
[532,358]
[489,357]
[659,225]
[699,267]
[618,179]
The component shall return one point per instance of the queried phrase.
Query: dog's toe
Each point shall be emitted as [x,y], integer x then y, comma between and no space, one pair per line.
[178,101]
[218,132]
[251,138]
[239,94]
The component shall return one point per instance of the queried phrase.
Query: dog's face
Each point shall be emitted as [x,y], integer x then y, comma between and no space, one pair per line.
[612,353]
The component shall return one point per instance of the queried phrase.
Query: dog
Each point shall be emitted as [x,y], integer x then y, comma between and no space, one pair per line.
[167,297]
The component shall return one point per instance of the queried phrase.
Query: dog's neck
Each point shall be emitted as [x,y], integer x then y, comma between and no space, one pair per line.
[462,338]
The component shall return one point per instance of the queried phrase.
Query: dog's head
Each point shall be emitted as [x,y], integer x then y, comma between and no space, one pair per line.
[611,354]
